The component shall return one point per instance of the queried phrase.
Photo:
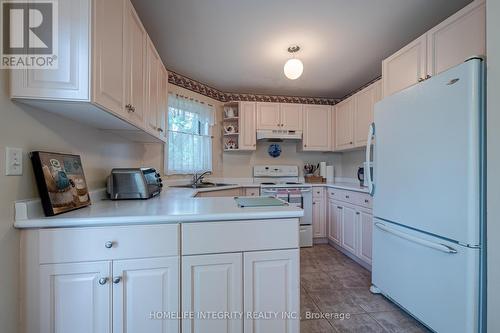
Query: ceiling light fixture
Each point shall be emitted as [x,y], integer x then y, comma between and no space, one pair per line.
[293,67]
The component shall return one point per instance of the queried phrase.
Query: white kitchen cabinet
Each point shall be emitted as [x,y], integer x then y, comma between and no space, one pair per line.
[317,127]
[271,286]
[212,283]
[279,116]
[334,222]
[349,228]
[135,52]
[344,124]
[291,116]
[365,225]
[405,67]
[75,297]
[71,80]
[364,104]
[461,36]
[319,217]
[268,115]
[458,38]
[154,69]
[248,137]
[101,75]
[142,286]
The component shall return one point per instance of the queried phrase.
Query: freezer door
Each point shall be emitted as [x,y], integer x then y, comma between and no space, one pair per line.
[427,160]
[427,277]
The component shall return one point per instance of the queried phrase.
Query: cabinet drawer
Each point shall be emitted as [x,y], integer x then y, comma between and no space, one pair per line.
[318,192]
[336,194]
[252,191]
[239,236]
[363,200]
[108,243]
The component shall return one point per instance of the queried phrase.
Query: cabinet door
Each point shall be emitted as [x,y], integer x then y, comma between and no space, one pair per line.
[318,215]
[458,38]
[317,133]
[135,65]
[404,68]
[75,297]
[108,64]
[154,65]
[349,228]
[365,224]
[291,116]
[248,138]
[334,222]
[142,287]
[268,115]
[272,286]
[364,103]
[344,124]
[163,103]
[212,283]
[71,79]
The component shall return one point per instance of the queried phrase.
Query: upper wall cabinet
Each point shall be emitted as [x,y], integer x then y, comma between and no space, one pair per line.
[364,103]
[247,137]
[135,53]
[344,124]
[102,73]
[291,116]
[279,116]
[406,67]
[459,37]
[317,127]
[353,116]
[268,115]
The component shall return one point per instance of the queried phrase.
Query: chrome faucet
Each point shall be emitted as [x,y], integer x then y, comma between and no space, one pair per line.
[198,179]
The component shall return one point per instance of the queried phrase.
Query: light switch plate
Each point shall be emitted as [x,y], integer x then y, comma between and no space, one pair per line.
[13,161]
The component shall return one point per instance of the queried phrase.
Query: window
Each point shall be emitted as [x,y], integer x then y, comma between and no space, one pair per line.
[189,140]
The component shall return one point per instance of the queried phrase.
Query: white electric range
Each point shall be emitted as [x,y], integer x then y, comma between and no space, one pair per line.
[282,181]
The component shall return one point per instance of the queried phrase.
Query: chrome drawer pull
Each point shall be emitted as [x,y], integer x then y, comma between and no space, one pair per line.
[103,281]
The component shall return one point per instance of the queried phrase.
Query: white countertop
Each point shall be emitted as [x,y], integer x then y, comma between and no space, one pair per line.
[174,205]
[343,186]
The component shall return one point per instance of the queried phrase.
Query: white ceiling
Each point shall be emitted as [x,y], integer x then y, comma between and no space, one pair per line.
[241,45]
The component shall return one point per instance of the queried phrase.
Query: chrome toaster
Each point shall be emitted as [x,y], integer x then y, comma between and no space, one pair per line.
[133,183]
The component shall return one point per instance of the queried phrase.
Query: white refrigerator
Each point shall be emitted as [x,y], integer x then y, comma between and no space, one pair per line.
[428,206]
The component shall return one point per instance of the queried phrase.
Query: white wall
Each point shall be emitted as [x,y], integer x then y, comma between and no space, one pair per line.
[493,118]
[30,129]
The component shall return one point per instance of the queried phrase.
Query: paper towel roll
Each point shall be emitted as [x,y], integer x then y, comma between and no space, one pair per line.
[330,174]
[322,169]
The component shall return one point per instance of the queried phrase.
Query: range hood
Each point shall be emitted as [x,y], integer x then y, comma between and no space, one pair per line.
[279,134]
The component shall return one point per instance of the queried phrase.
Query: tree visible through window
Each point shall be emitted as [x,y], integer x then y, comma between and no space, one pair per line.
[189,140]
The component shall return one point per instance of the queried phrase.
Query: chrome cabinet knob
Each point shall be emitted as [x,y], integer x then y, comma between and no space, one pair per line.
[117,279]
[427,77]
[420,79]
[128,106]
[357,213]
[103,281]
[108,244]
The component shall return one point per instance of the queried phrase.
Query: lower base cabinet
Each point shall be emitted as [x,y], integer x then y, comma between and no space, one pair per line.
[143,288]
[212,283]
[75,297]
[245,285]
[83,297]
[272,286]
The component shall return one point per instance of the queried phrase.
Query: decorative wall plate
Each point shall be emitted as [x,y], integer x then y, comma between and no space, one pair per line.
[274,150]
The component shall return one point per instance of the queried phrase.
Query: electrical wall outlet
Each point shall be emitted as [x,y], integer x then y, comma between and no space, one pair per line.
[13,161]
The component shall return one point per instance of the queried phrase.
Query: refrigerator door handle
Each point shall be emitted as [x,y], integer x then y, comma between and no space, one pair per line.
[423,242]
[368,174]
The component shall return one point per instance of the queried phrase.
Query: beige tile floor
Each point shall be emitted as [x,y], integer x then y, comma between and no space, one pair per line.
[332,283]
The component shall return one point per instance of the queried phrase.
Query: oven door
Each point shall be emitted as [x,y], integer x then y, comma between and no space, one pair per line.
[298,197]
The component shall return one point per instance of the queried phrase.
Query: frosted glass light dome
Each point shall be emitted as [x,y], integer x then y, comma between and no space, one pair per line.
[293,68]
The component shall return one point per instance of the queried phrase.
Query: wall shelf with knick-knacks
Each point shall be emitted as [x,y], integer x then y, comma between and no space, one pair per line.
[230,127]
